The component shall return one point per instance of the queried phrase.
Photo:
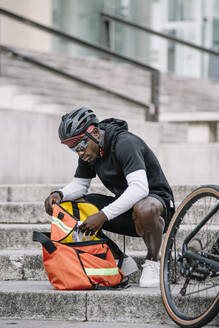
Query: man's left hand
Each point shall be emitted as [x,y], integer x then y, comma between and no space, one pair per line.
[93,223]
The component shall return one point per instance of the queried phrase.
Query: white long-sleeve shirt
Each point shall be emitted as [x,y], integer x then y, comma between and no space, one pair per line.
[137,189]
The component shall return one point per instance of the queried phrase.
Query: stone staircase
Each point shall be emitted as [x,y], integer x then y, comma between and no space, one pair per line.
[176,92]
[31,88]
[25,292]
[29,94]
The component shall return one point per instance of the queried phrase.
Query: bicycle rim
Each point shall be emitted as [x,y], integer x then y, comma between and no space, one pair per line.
[200,303]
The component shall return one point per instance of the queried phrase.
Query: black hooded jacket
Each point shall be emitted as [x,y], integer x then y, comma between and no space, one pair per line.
[125,153]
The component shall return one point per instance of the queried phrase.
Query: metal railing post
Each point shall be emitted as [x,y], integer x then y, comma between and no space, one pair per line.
[106,35]
[155,95]
[106,32]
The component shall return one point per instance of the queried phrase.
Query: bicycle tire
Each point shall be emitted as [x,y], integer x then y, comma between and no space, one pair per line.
[174,303]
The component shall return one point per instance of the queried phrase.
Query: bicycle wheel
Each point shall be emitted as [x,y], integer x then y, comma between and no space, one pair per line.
[191,296]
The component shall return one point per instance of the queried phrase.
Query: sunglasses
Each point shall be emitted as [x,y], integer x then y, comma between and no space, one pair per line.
[81,146]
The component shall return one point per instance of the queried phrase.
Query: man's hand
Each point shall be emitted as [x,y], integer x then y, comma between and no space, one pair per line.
[52,199]
[93,223]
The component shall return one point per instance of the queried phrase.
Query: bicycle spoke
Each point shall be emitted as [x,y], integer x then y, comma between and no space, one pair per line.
[200,290]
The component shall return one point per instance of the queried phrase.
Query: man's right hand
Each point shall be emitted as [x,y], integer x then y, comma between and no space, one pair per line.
[53,198]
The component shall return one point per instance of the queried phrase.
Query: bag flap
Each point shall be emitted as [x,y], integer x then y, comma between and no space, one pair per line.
[67,216]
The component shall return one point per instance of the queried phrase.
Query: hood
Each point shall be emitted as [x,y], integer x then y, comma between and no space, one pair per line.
[112,127]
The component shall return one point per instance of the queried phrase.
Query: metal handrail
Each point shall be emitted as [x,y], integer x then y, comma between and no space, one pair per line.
[155,74]
[162,35]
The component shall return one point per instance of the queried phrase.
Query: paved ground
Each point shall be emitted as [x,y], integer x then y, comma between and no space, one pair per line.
[76,324]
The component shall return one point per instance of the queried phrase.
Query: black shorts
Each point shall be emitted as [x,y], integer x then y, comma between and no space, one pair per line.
[123,224]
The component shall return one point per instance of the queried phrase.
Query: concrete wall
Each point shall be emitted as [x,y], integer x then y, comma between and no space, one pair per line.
[31,152]
[190,163]
[30,149]
[20,35]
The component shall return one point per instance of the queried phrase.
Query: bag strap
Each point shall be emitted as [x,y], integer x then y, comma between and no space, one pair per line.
[117,253]
[122,285]
[76,211]
[46,242]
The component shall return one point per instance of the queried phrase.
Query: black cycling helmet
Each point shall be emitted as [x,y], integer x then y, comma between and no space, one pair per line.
[76,122]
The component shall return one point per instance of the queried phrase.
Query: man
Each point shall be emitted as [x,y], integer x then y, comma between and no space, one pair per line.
[143,202]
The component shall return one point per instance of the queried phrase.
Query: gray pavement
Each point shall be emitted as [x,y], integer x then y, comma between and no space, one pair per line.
[77,324]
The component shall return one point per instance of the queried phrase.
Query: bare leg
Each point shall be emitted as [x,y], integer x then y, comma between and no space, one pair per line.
[149,224]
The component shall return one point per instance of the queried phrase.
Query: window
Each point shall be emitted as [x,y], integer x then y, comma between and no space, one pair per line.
[180,10]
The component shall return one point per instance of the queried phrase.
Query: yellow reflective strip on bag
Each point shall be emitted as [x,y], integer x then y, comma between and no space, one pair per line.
[60,224]
[102,272]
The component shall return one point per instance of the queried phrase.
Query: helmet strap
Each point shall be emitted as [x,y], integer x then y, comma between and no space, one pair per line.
[97,141]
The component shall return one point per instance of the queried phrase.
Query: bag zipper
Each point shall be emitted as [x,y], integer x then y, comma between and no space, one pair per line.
[84,243]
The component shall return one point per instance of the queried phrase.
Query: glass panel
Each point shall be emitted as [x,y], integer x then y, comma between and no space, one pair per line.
[180,10]
[171,52]
[78,18]
[214,61]
[216,9]
[81,19]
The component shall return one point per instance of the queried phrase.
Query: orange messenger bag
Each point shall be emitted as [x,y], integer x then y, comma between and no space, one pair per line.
[77,265]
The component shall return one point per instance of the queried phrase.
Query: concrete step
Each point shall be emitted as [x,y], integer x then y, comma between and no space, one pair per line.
[26,264]
[34,212]
[30,96]
[41,301]
[76,324]
[74,90]
[171,84]
[50,86]
[28,99]
[80,91]
[38,300]
[38,192]
[169,135]
[135,244]
[22,265]
[23,212]
[66,92]
[174,90]
[27,192]
[7,93]
[41,102]
[21,258]
[91,69]
[19,236]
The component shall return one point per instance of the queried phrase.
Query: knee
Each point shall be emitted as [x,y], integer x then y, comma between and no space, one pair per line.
[147,216]
[146,210]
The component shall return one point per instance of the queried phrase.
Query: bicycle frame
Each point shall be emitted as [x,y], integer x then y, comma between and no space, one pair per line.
[210,261]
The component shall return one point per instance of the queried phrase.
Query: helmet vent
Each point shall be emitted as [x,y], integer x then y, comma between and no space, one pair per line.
[68,130]
[81,116]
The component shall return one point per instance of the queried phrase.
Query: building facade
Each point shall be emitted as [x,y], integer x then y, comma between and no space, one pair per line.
[195,21]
